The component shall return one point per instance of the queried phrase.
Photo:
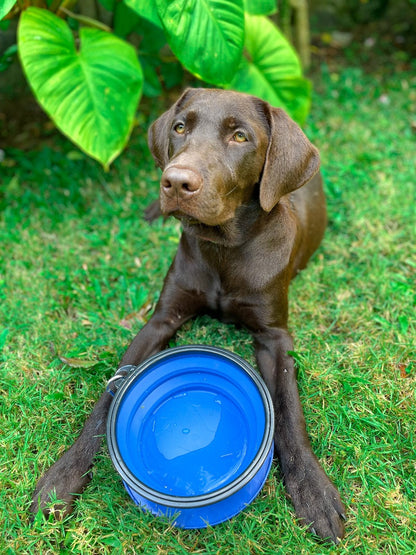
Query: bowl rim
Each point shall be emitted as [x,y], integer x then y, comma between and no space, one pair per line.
[216,495]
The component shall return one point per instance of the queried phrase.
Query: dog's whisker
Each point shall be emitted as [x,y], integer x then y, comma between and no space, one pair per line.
[230,192]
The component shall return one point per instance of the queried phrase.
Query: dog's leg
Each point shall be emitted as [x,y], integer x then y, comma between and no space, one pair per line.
[71,473]
[315,498]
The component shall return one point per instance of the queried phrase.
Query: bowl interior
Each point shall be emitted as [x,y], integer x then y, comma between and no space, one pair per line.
[190,423]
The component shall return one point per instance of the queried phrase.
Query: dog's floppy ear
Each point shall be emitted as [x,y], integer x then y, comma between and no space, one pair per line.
[291,160]
[158,134]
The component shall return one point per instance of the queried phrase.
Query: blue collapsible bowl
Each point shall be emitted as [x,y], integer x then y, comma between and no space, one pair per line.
[190,431]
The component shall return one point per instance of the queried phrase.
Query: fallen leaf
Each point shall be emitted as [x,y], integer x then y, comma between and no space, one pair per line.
[78,362]
[127,321]
[405,370]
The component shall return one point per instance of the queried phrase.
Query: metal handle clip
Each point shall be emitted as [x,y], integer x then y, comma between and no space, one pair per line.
[115,381]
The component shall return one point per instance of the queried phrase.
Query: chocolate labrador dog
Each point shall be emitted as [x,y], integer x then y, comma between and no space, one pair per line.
[243,179]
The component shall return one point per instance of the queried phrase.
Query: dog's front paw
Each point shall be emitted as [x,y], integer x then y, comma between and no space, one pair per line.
[316,500]
[58,488]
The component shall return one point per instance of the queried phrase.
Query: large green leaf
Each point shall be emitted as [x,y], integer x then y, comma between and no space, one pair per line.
[108,4]
[260,7]
[146,9]
[5,7]
[207,36]
[92,93]
[273,71]
[124,20]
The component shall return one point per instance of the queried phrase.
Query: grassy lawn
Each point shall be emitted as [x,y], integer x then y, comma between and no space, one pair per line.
[80,271]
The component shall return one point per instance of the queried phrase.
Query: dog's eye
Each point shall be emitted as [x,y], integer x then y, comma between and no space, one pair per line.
[239,137]
[179,128]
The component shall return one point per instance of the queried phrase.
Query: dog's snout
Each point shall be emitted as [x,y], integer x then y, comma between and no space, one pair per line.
[181,182]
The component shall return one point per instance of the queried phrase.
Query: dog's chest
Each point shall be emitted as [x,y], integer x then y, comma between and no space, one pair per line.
[240,289]
[238,272]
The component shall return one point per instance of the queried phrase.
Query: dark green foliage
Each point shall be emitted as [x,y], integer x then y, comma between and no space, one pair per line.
[89,79]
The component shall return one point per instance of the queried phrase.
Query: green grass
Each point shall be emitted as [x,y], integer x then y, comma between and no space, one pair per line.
[79,267]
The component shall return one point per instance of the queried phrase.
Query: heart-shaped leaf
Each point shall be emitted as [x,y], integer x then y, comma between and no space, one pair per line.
[92,93]
[272,70]
[207,36]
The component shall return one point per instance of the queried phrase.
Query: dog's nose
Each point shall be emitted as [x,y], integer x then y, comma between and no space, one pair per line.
[181,182]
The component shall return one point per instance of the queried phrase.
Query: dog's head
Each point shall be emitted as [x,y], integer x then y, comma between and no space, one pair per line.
[220,149]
